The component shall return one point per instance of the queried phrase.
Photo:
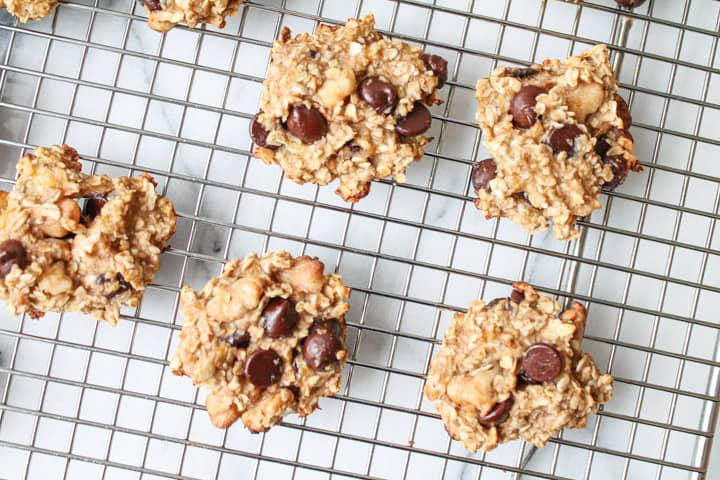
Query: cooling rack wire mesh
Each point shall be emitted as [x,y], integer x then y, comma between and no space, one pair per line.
[83,400]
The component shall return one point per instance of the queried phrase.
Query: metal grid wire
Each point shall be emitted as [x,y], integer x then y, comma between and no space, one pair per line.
[83,400]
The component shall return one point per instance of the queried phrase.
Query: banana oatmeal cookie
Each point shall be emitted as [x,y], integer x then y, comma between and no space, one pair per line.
[267,337]
[346,103]
[514,368]
[56,256]
[26,10]
[557,134]
[165,14]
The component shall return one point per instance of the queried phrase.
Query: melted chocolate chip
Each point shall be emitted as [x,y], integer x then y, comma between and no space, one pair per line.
[259,134]
[602,146]
[307,124]
[380,95]
[320,349]
[630,3]
[521,72]
[122,285]
[497,415]
[494,302]
[482,174]
[439,66]
[279,317]
[623,111]
[93,206]
[517,296]
[619,168]
[238,339]
[562,139]
[263,368]
[541,363]
[151,4]
[522,107]
[416,122]
[12,253]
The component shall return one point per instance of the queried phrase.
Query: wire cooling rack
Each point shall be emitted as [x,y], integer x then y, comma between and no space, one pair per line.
[83,400]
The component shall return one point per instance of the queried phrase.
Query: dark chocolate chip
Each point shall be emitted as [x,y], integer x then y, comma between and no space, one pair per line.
[494,302]
[521,72]
[263,368]
[320,349]
[416,122]
[151,4]
[307,124]
[497,415]
[312,53]
[439,66]
[522,107]
[378,94]
[122,285]
[238,339]
[562,139]
[541,363]
[602,146]
[630,3]
[12,253]
[294,390]
[259,134]
[279,317]
[93,206]
[517,296]
[329,325]
[619,168]
[623,111]
[482,174]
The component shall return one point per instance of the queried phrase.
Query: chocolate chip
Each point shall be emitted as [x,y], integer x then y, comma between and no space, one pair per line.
[517,296]
[602,146]
[416,122]
[320,349]
[494,302]
[378,94]
[497,415]
[151,4]
[438,65]
[93,206]
[307,124]
[259,134]
[562,139]
[521,72]
[482,174]
[121,287]
[619,168]
[279,317]
[263,368]
[238,339]
[521,196]
[541,363]
[623,111]
[630,3]
[522,106]
[329,325]
[312,53]
[12,253]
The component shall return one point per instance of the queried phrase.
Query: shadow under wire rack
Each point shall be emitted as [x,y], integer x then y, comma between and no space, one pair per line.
[80,399]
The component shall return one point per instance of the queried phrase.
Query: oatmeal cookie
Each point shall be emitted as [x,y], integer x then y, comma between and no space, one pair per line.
[557,134]
[165,14]
[346,103]
[514,368]
[26,10]
[56,256]
[267,337]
